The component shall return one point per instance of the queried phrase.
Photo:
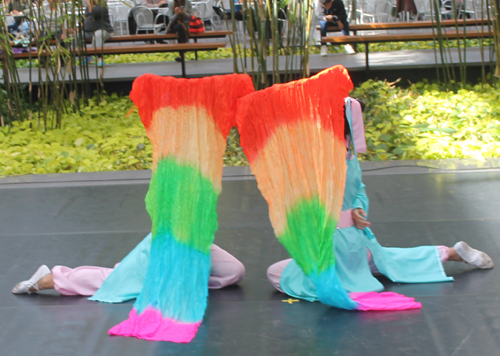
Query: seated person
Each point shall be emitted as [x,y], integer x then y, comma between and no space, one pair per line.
[330,13]
[358,254]
[86,280]
[16,8]
[97,26]
[180,13]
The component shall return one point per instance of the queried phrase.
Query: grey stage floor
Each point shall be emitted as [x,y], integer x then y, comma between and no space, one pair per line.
[96,219]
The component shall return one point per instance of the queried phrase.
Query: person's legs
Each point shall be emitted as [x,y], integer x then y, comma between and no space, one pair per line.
[226,269]
[89,36]
[85,280]
[461,252]
[180,31]
[181,36]
[275,271]
[345,30]
[13,27]
[323,25]
[100,37]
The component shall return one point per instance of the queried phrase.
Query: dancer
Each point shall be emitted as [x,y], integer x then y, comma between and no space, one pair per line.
[86,280]
[358,254]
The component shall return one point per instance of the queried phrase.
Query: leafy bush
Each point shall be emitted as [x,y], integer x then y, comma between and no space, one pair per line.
[423,121]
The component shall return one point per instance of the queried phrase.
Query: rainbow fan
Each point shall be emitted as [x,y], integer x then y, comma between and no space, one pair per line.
[187,121]
[293,137]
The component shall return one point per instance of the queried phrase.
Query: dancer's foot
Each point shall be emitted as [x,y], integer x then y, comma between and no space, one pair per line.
[32,284]
[472,256]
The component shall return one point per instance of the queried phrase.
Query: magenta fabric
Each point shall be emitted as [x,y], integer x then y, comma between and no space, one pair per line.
[358,126]
[150,325]
[86,280]
[384,301]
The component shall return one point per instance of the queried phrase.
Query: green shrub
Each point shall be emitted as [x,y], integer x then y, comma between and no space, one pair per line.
[423,121]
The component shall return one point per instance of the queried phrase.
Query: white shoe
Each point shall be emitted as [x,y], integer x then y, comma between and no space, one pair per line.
[348,49]
[472,256]
[324,51]
[24,286]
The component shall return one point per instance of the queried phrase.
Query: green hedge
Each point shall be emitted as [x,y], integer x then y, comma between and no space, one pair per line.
[420,122]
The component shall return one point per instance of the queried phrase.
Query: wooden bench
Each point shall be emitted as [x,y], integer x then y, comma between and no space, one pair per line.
[143,48]
[377,26]
[168,36]
[403,37]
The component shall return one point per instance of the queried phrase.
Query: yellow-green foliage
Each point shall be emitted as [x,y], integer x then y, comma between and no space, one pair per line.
[424,122]
[421,122]
[102,138]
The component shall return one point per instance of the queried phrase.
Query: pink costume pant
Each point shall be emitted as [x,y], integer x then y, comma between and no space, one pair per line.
[86,280]
[275,271]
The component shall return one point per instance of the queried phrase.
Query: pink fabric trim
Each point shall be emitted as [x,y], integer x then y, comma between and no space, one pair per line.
[358,127]
[345,219]
[151,325]
[85,280]
[444,253]
[384,301]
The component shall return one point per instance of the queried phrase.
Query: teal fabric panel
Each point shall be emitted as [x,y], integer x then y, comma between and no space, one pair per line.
[127,279]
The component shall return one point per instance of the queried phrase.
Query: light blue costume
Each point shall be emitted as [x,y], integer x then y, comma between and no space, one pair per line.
[407,265]
[127,279]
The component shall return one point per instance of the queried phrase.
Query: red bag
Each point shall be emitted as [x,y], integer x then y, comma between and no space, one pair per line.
[196,25]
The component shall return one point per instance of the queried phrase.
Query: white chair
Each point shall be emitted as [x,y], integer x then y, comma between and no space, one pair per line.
[468,10]
[145,20]
[424,11]
[365,12]
[121,18]
[382,11]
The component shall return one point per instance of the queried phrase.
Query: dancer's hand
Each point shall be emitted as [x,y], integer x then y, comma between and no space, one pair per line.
[359,217]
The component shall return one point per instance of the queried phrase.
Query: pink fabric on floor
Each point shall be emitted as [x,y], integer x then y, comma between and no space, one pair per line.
[150,325]
[85,280]
[384,301]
